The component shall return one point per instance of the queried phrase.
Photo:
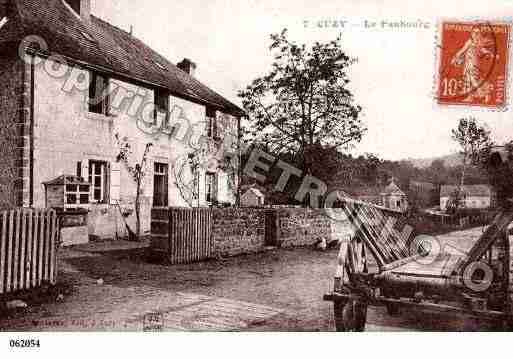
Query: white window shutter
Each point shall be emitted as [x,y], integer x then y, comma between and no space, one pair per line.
[115,182]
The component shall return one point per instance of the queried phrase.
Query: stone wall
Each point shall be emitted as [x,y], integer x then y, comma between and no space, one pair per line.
[12,130]
[242,230]
[238,231]
[302,227]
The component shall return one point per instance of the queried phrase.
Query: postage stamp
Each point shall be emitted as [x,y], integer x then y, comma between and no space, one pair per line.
[473,64]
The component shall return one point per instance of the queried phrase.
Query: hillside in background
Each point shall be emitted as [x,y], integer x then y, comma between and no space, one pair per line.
[453,160]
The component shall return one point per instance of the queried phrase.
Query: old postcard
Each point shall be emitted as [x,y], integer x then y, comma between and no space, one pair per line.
[255,166]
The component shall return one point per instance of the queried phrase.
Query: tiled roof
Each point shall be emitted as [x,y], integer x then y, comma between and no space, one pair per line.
[66,179]
[480,190]
[392,188]
[256,192]
[104,46]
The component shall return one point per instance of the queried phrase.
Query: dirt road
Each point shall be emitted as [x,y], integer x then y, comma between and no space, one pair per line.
[279,290]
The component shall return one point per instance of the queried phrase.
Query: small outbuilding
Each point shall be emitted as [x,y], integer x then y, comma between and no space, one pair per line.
[394,198]
[253,197]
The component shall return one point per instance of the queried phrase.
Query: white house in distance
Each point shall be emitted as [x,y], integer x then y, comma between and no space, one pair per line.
[394,198]
[253,197]
[85,81]
[475,196]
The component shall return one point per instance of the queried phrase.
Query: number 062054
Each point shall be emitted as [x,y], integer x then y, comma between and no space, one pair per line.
[24,343]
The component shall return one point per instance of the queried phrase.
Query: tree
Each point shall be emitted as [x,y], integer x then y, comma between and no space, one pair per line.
[137,171]
[303,101]
[472,138]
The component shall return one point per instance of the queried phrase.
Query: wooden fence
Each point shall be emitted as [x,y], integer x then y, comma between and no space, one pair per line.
[28,249]
[182,235]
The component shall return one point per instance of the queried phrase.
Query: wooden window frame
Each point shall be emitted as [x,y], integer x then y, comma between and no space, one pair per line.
[161,169]
[104,181]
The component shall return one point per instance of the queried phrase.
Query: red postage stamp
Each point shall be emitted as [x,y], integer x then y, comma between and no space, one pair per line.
[473,64]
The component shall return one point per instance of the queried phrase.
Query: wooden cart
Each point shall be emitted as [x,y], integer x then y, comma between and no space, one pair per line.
[387,263]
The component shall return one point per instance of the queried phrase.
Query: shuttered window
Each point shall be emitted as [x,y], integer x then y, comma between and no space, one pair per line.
[115,183]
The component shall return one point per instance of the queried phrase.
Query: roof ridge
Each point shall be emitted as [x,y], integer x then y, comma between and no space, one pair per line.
[115,49]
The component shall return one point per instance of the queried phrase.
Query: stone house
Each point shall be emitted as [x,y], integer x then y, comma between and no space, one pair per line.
[474,196]
[71,82]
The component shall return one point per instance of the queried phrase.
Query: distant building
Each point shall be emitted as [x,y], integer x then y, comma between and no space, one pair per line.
[253,197]
[394,198]
[474,197]
[391,196]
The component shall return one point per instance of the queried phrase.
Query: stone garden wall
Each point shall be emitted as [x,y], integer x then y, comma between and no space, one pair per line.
[243,230]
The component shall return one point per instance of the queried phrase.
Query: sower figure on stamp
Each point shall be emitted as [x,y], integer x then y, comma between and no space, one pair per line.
[469,56]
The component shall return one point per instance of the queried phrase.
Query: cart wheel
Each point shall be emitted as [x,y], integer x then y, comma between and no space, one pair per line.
[350,316]
[392,308]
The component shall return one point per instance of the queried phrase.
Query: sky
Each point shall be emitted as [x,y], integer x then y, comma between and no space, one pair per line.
[393,80]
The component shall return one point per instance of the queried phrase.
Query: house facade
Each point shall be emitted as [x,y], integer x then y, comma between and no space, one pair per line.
[77,89]
[474,196]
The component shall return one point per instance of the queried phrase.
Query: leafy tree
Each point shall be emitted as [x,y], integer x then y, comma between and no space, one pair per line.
[304,101]
[137,171]
[472,138]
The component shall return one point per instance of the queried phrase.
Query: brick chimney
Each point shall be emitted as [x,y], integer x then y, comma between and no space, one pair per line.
[187,66]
